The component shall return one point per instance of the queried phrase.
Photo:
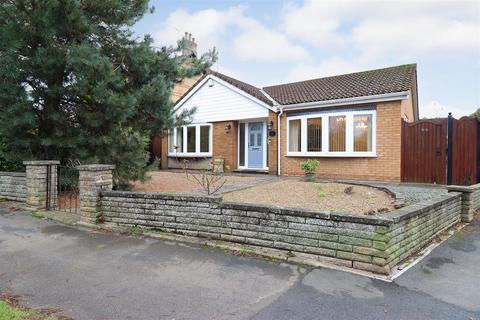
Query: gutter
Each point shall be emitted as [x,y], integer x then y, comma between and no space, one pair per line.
[279,144]
[279,115]
[348,101]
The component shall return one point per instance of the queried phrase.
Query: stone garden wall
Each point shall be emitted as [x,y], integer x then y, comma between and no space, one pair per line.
[363,242]
[373,243]
[470,200]
[13,186]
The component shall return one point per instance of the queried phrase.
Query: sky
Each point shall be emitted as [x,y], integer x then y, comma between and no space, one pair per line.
[268,42]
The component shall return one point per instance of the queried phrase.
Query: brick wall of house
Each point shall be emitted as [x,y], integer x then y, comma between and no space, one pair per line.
[272,144]
[407,108]
[386,166]
[225,144]
[183,86]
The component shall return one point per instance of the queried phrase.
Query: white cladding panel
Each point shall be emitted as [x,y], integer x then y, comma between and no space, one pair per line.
[221,103]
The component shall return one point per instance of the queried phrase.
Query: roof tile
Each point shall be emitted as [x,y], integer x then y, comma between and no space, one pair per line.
[358,84]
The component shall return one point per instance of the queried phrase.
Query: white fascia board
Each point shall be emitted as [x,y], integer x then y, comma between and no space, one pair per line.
[179,104]
[349,101]
[243,93]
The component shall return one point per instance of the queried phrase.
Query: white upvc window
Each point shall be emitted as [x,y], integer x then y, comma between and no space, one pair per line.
[347,133]
[193,140]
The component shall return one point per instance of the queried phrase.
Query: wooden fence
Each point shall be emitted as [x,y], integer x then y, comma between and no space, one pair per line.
[443,151]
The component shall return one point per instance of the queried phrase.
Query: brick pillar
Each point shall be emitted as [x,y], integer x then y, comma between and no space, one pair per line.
[93,179]
[36,180]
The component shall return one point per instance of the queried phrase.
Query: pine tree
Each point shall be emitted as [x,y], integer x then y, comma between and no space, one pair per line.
[75,84]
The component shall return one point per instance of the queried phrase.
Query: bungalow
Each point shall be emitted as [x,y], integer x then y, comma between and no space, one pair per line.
[351,123]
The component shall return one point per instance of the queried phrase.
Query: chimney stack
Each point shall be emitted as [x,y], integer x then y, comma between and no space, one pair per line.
[189,46]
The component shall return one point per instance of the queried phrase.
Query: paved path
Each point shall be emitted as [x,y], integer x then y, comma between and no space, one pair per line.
[94,275]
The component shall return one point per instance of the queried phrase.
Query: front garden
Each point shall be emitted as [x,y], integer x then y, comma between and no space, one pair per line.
[336,197]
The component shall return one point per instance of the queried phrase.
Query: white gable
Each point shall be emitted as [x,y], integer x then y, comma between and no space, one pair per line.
[221,102]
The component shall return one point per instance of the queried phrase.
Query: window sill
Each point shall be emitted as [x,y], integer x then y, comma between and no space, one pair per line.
[334,155]
[189,155]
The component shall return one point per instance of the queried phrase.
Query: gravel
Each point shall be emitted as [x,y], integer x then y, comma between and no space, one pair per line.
[316,196]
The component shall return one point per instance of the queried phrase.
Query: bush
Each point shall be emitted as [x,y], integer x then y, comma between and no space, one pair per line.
[8,161]
[310,165]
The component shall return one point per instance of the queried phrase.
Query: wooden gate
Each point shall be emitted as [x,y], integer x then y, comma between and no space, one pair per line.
[464,154]
[443,151]
[424,147]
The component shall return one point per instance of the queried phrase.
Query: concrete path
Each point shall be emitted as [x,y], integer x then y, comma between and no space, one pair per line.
[91,275]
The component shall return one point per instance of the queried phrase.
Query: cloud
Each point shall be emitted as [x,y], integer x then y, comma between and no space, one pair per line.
[208,26]
[328,67]
[376,28]
[233,32]
[259,43]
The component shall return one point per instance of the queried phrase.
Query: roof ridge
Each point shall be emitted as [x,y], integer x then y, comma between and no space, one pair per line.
[343,74]
[226,76]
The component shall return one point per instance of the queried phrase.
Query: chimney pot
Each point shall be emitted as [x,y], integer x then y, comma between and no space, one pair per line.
[190,49]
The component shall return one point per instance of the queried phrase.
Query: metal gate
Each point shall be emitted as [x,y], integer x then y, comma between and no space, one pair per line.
[63,193]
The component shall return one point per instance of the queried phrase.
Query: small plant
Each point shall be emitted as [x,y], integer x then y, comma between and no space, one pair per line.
[348,190]
[134,231]
[100,218]
[309,166]
[37,215]
[321,192]
[211,180]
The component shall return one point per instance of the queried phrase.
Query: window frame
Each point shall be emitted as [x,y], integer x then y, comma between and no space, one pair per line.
[325,115]
[197,152]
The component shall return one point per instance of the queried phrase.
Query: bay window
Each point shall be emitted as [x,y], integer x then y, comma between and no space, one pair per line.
[347,133]
[191,141]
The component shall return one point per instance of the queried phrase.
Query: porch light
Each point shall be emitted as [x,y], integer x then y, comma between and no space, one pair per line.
[270,125]
[228,127]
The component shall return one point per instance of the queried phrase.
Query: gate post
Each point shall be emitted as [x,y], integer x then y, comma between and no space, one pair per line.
[41,178]
[93,179]
[449,148]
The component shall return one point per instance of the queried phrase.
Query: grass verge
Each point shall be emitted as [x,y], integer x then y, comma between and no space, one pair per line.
[10,309]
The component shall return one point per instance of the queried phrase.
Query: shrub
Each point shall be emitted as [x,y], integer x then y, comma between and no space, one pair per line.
[310,165]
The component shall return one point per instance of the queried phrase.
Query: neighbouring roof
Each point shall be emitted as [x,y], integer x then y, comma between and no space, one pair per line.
[358,84]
